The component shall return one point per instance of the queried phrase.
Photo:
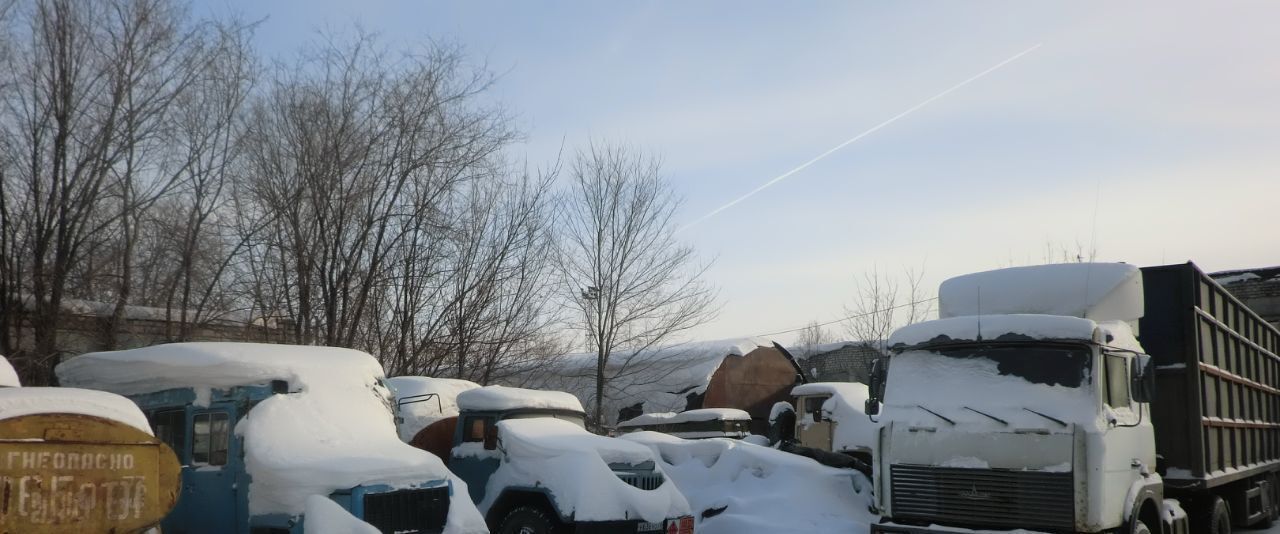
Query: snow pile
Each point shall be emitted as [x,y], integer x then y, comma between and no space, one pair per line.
[661,379]
[502,398]
[334,430]
[1236,278]
[853,430]
[759,489]
[420,412]
[1098,291]
[327,517]
[17,402]
[574,465]
[993,327]
[8,377]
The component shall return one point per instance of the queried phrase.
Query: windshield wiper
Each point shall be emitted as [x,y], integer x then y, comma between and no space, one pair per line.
[988,416]
[940,416]
[1051,418]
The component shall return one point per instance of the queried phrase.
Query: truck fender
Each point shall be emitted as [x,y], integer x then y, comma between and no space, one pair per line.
[512,498]
[1144,503]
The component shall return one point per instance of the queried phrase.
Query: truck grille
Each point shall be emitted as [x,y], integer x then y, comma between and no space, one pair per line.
[644,481]
[408,511]
[983,497]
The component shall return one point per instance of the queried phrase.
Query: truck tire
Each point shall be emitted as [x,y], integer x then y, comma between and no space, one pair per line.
[528,520]
[1140,528]
[1212,517]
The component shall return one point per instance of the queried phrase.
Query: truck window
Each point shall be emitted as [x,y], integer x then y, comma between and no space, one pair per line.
[475,428]
[1117,370]
[813,405]
[170,427]
[210,438]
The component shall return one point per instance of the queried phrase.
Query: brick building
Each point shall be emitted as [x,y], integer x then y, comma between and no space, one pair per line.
[844,361]
[1259,289]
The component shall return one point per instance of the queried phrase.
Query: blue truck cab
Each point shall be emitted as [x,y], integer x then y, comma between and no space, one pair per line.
[205,426]
[531,467]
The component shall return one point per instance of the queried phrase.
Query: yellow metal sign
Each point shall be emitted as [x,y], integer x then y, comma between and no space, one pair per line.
[61,473]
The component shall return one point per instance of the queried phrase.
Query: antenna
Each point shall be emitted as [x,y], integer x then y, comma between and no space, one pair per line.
[1093,250]
[979,312]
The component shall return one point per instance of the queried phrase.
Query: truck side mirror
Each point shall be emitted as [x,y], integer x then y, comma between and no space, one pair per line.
[876,387]
[871,407]
[491,437]
[1142,378]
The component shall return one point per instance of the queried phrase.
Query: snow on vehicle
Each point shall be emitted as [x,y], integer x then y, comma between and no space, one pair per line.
[260,428]
[693,424]
[533,468]
[1031,404]
[832,419]
[75,459]
[738,487]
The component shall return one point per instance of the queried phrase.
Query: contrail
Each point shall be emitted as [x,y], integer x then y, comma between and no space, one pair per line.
[870,131]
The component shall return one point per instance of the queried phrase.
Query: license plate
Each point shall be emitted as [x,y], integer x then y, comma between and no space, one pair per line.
[646,526]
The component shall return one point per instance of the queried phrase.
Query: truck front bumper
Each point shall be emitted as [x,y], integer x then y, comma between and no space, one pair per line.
[890,528]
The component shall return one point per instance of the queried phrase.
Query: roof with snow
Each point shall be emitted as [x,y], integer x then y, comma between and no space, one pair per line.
[661,379]
[19,401]
[179,365]
[848,389]
[1264,274]
[1097,291]
[689,416]
[502,398]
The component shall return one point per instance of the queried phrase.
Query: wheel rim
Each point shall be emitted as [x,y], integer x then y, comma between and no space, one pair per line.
[526,530]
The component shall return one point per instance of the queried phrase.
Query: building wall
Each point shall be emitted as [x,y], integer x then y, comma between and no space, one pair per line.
[848,363]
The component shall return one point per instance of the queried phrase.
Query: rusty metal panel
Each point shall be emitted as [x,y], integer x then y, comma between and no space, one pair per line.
[63,473]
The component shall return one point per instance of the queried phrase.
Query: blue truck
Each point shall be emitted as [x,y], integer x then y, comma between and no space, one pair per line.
[532,468]
[259,428]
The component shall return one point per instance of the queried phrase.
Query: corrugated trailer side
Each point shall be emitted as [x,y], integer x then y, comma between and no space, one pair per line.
[1217,407]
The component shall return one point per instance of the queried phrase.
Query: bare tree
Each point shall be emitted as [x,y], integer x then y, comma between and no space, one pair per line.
[811,337]
[86,90]
[631,283]
[346,150]
[884,303]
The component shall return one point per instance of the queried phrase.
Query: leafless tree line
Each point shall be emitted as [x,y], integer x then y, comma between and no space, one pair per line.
[352,196]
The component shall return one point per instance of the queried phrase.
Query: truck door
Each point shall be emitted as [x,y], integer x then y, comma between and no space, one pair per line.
[212,465]
[813,429]
[470,460]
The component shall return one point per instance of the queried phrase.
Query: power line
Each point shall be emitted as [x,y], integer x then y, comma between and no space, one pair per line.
[854,316]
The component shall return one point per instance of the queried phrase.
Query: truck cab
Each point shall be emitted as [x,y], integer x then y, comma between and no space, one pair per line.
[1026,409]
[532,467]
[260,428]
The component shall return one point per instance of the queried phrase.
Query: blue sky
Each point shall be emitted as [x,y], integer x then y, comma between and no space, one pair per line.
[1151,131]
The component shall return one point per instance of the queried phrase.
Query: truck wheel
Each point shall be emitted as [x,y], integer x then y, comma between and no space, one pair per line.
[1140,528]
[527,520]
[1212,517]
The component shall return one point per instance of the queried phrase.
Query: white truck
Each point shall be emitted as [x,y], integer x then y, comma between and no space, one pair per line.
[1031,404]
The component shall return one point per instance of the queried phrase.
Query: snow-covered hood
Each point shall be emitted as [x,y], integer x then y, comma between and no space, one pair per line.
[549,438]
[574,465]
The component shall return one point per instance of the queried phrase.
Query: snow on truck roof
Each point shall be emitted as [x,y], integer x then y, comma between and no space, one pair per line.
[19,401]
[502,398]
[178,365]
[689,416]
[1038,327]
[1098,291]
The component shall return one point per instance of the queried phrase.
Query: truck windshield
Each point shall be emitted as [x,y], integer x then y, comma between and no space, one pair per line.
[992,377]
[576,419]
[1039,364]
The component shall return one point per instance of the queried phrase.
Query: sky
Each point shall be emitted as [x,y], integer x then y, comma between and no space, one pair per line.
[1145,133]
